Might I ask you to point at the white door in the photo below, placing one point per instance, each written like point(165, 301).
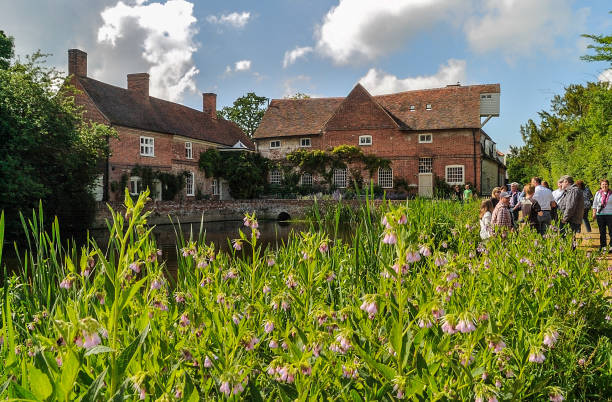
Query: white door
point(425, 185)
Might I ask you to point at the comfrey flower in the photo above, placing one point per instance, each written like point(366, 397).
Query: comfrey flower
point(237, 244)
point(268, 327)
point(537, 357)
point(273, 344)
point(390, 238)
point(88, 340)
point(156, 284)
point(402, 220)
point(555, 395)
point(424, 250)
point(135, 266)
point(323, 248)
point(448, 328)
point(349, 371)
point(66, 283)
point(266, 289)
point(290, 282)
point(497, 346)
point(550, 338)
point(330, 277)
point(250, 343)
point(184, 320)
point(465, 326)
point(412, 257)
point(370, 307)
point(440, 261)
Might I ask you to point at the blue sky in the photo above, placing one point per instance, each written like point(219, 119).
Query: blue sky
point(276, 48)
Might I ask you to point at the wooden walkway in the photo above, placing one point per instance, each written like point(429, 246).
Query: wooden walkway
point(590, 241)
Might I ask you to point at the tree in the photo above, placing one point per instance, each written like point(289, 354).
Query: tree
point(247, 111)
point(46, 153)
point(602, 48)
point(7, 46)
point(246, 172)
point(298, 95)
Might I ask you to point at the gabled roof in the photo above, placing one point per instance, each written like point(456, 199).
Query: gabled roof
point(128, 109)
point(452, 107)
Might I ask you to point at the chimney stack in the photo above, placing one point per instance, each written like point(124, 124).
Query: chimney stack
point(139, 83)
point(77, 62)
point(209, 101)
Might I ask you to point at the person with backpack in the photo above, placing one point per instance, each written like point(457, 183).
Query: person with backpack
point(588, 198)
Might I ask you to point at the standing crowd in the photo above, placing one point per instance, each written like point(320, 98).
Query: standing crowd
point(537, 206)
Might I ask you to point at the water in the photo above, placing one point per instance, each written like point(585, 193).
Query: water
point(273, 234)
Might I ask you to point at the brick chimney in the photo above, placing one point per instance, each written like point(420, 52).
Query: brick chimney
point(209, 101)
point(77, 62)
point(139, 83)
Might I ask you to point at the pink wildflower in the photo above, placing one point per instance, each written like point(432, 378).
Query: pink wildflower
point(268, 327)
point(424, 250)
point(179, 298)
point(237, 244)
point(390, 238)
point(497, 346)
point(537, 357)
point(330, 277)
point(273, 344)
point(135, 267)
point(440, 261)
point(290, 282)
point(184, 320)
point(156, 284)
point(271, 262)
point(88, 340)
point(266, 289)
point(448, 328)
point(225, 388)
point(349, 372)
point(550, 338)
point(465, 326)
point(207, 362)
point(323, 248)
point(555, 397)
point(250, 345)
point(412, 257)
point(66, 283)
point(402, 220)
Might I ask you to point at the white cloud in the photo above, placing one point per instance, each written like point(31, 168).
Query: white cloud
point(242, 65)
point(358, 30)
point(164, 36)
point(522, 27)
point(378, 82)
point(292, 55)
point(605, 76)
point(236, 20)
point(294, 85)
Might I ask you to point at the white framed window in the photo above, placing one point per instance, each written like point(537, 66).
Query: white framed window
point(425, 138)
point(188, 150)
point(215, 187)
point(190, 184)
point(426, 164)
point(147, 146)
point(275, 176)
point(455, 174)
point(365, 140)
point(305, 142)
point(428, 106)
point(306, 179)
point(339, 179)
point(275, 144)
point(412, 108)
point(385, 177)
point(135, 185)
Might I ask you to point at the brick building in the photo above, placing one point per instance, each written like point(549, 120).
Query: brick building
point(162, 135)
point(425, 133)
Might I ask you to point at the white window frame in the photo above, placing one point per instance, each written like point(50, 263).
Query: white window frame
point(385, 181)
point(425, 164)
point(276, 176)
point(365, 140)
point(147, 146)
point(305, 143)
point(412, 108)
point(135, 185)
point(189, 150)
point(339, 178)
point(447, 167)
point(215, 187)
point(423, 138)
point(308, 181)
point(428, 106)
point(275, 144)
point(190, 184)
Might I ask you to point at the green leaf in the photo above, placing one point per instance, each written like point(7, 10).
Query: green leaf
point(127, 354)
point(355, 395)
point(98, 349)
point(127, 296)
point(39, 383)
point(70, 369)
point(190, 393)
point(18, 392)
point(94, 389)
point(388, 372)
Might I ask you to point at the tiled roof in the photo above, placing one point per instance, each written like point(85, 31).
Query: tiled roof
point(128, 109)
point(451, 107)
point(286, 117)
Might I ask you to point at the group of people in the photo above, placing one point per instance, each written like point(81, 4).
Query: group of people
point(539, 206)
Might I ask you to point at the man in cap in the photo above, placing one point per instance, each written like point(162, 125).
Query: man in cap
point(501, 214)
point(571, 204)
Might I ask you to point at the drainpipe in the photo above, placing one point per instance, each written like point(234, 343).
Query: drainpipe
point(474, 157)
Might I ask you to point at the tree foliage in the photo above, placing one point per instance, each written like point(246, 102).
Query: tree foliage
point(247, 111)
point(46, 151)
point(323, 163)
point(7, 45)
point(245, 172)
point(573, 137)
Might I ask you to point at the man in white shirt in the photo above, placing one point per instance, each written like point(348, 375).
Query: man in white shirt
point(544, 197)
point(557, 194)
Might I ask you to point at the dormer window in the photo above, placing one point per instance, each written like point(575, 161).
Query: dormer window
point(428, 106)
point(425, 138)
point(365, 140)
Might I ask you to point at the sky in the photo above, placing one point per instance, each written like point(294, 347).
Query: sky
point(323, 48)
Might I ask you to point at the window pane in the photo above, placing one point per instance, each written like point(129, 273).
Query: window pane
point(385, 177)
point(306, 179)
point(425, 165)
point(275, 177)
point(340, 178)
